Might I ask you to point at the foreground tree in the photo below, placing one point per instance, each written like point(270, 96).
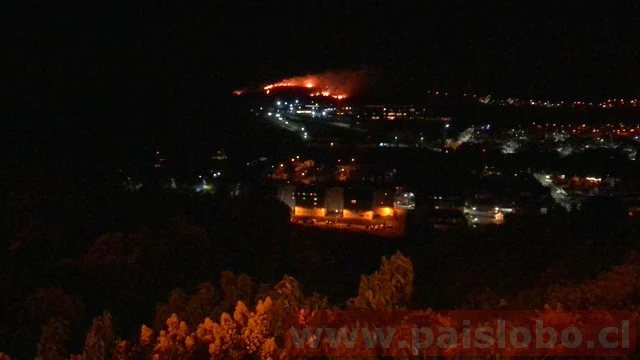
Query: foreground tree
point(389, 288)
point(99, 342)
point(53, 341)
point(245, 334)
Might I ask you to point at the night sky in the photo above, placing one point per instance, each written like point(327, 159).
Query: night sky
point(167, 59)
point(542, 48)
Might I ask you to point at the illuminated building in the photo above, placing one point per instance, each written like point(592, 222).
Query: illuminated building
point(383, 203)
point(358, 204)
point(398, 112)
point(344, 110)
point(383, 198)
point(447, 202)
point(286, 194)
point(334, 201)
point(405, 201)
point(415, 125)
point(220, 155)
point(482, 212)
point(391, 112)
point(309, 201)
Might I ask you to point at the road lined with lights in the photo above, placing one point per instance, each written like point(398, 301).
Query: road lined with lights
point(558, 194)
point(297, 118)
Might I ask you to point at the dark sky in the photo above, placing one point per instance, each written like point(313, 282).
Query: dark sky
point(108, 67)
point(98, 76)
point(183, 48)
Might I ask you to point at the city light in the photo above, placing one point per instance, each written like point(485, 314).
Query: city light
point(615, 103)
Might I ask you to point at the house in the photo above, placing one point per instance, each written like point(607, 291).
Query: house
point(287, 194)
point(309, 202)
point(384, 203)
point(358, 204)
point(334, 201)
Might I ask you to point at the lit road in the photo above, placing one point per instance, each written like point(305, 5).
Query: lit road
point(307, 123)
point(282, 120)
point(309, 127)
point(559, 195)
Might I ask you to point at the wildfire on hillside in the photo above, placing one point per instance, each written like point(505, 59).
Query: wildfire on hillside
point(336, 84)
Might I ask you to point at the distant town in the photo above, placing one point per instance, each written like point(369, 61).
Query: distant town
point(362, 167)
point(186, 180)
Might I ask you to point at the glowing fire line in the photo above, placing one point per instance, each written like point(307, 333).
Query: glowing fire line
point(331, 84)
point(308, 84)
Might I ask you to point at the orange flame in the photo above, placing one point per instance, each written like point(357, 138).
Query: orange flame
point(337, 85)
point(328, 94)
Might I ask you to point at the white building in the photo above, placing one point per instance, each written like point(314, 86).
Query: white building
point(286, 194)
